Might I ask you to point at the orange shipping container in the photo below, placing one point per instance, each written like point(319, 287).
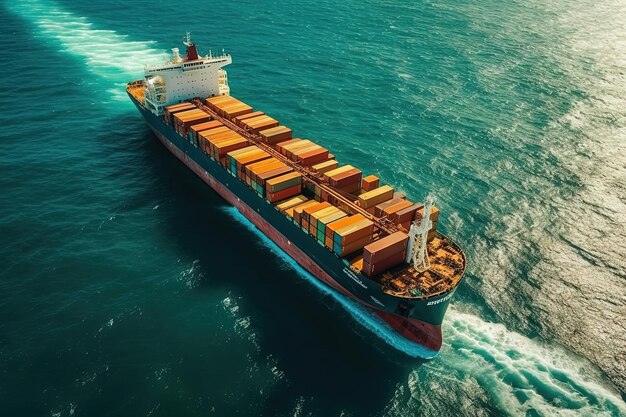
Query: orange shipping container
point(313, 157)
point(353, 232)
point(337, 171)
point(434, 214)
point(353, 246)
point(223, 147)
point(405, 215)
point(259, 123)
point(376, 196)
point(343, 179)
point(176, 108)
point(370, 182)
point(297, 210)
point(263, 177)
point(312, 209)
point(379, 208)
point(394, 260)
point(238, 119)
point(252, 157)
point(397, 207)
point(281, 145)
point(385, 247)
point(292, 202)
point(233, 111)
point(292, 148)
point(303, 148)
point(213, 102)
point(282, 194)
point(331, 228)
point(207, 134)
point(284, 181)
point(199, 127)
point(275, 134)
point(325, 166)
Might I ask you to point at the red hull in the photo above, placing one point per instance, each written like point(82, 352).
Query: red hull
point(425, 334)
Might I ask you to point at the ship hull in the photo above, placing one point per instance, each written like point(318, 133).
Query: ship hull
point(416, 320)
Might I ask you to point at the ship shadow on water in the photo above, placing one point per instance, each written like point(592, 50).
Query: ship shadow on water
point(326, 355)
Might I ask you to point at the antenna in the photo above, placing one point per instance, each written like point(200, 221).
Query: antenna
point(418, 238)
point(187, 40)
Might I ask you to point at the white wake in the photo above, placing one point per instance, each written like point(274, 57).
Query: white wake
point(105, 53)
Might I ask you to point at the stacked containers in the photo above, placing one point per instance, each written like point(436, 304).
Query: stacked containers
point(219, 145)
point(434, 217)
point(228, 106)
point(290, 203)
point(212, 102)
point(283, 186)
point(205, 135)
point(176, 108)
point(306, 214)
point(236, 160)
point(385, 253)
point(184, 119)
point(405, 216)
point(326, 166)
point(262, 177)
point(238, 119)
point(352, 237)
point(199, 127)
point(389, 207)
point(332, 227)
point(369, 183)
point(378, 209)
point(280, 147)
point(286, 148)
point(276, 134)
point(322, 221)
point(296, 211)
point(235, 109)
point(259, 123)
point(347, 178)
point(303, 151)
point(309, 154)
point(378, 195)
point(314, 218)
point(253, 173)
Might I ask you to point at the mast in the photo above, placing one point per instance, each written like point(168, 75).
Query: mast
point(417, 252)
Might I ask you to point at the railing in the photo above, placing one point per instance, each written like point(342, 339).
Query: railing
point(307, 173)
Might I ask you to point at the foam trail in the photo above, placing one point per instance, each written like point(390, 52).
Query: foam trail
point(366, 318)
point(521, 374)
point(105, 52)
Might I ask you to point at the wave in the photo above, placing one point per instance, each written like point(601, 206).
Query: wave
point(106, 53)
point(522, 374)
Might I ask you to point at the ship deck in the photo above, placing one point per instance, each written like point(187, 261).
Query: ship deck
point(447, 265)
point(447, 261)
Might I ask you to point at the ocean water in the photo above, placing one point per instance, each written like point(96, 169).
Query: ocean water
point(129, 288)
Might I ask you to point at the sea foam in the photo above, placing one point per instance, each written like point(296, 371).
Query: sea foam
point(105, 53)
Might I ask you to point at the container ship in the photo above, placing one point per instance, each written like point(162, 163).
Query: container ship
point(359, 236)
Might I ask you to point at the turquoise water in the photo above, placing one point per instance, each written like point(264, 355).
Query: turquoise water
point(129, 288)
